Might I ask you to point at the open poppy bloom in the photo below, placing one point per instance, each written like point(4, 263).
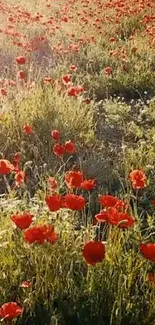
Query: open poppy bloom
point(120, 219)
point(21, 74)
point(70, 147)
point(108, 200)
point(21, 60)
point(5, 167)
point(102, 216)
point(26, 284)
point(88, 185)
point(52, 183)
point(40, 234)
point(73, 179)
point(66, 79)
point(138, 179)
point(27, 129)
point(148, 251)
point(22, 221)
point(108, 71)
point(54, 202)
point(10, 310)
point(58, 149)
point(94, 252)
point(75, 202)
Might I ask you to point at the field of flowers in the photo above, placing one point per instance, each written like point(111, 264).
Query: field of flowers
point(77, 153)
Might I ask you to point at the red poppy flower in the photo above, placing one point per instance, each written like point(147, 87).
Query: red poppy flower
point(153, 202)
point(74, 202)
point(87, 101)
point(112, 39)
point(88, 185)
point(120, 219)
point(70, 147)
point(22, 221)
point(148, 251)
point(26, 284)
point(108, 200)
point(5, 167)
point(138, 179)
point(40, 234)
point(10, 310)
point(20, 178)
point(50, 235)
point(48, 80)
point(3, 92)
point(27, 129)
point(52, 183)
point(55, 134)
point(94, 252)
point(54, 202)
point(72, 91)
point(151, 277)
point(58, 149)
point(79, 89)
point(34, 234)
point(73, 179)
point(21, 60)
point(108, 71)
point(21, 74)
point(102, 216)
point(66, 79)
point(16, 160)
point(73, 67)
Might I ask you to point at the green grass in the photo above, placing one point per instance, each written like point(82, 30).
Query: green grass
point(114, 133)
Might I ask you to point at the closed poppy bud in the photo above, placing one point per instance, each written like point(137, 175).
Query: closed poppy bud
point(22, 221)
point(10, 310)
point(21, 60)
point(94, 252)
point(55, 134)
point(54, 202)
point(58, 149)
point(70, 147)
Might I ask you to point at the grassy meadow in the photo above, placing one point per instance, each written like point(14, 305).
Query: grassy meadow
point(77, 153)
